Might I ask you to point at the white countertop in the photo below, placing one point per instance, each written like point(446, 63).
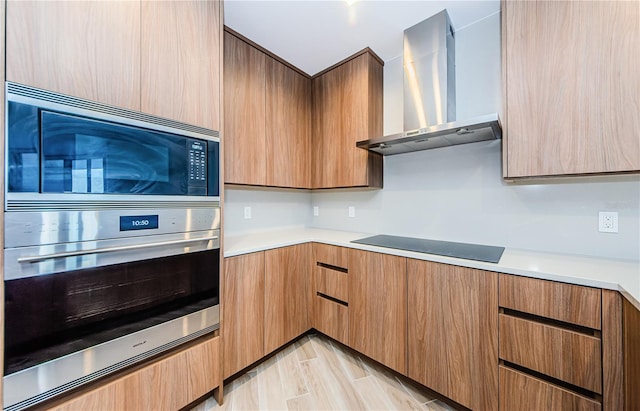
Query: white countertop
point(619, 275)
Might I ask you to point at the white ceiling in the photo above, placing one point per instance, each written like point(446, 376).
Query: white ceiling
point(315, 34)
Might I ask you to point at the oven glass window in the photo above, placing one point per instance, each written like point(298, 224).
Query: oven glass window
point(49, 316)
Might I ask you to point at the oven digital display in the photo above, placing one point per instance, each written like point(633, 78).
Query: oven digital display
point(138, 222)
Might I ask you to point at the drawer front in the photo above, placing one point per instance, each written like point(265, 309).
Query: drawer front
point(170, 383)
point(332, 283)
point(566, 355)
point(521, 391)
point(331, 255)
point(331, 318)
point(574, 304)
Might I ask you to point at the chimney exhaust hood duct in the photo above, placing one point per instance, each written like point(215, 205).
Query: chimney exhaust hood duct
point(430, 95)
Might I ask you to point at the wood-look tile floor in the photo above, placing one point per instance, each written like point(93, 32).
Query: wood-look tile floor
point(316, 373)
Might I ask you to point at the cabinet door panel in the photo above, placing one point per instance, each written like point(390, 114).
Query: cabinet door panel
point(378, 307)
point(288, 126)
point(243, 311)
point(453, 326)
point(286, 294)
point(181, 61)
point(87, 49)
point(347, 108)
point(244, 112)
point(329, 146)
point(572, 87)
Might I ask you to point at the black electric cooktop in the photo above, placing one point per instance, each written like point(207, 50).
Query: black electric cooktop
point(486, 253)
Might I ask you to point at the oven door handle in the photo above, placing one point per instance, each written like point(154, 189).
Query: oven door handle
point(39, 258)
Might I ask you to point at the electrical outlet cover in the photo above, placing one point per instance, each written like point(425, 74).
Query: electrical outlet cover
point(608, 221)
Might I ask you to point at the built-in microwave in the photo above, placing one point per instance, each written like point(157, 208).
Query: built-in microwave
point(57, 144)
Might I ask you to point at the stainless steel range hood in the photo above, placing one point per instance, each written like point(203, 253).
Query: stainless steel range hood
point(430, 95)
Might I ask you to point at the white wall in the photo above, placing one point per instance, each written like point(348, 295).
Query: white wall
point(270, 209)
point(457, 193)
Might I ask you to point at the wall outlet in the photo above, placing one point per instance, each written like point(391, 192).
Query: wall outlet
point(352, 211)
point(247, 213)
point(608, 221)
point(316, 211)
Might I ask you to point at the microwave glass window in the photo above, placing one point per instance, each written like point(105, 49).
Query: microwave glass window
point(96, 164)
point(53, 152)
point(88, 156)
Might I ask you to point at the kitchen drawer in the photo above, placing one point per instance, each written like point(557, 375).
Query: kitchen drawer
point(170, 383)
point(332, 282)
point(574, 304)
point(520, 391)
point(331, 318)
point(331, 255)
point(559, 353)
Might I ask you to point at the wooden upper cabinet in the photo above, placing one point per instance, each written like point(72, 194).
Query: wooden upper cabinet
point(86, 49)
point(571, 87)
point(267, 118)
point(287, 272)
point(288, 127)
point(244, 112)
point(453, 332)
point(347, 108)
point(283, 129)
point(378, 307)
point(180, 59)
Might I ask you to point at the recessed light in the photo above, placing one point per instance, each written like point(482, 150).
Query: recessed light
point(350, 2)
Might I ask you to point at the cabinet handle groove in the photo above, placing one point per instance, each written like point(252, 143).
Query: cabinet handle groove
point(332, 267)
point(330, 298)
point(549, 321)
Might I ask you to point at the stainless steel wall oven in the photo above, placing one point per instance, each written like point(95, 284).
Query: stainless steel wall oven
point(112, 250)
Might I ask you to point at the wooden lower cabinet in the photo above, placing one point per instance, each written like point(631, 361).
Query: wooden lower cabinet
point(265, 301)
point(453, 332)
point(378, 307)
point(168, 384)
point(519, 391)
point(286, 295)
point(243, 312)
point(436, 323)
